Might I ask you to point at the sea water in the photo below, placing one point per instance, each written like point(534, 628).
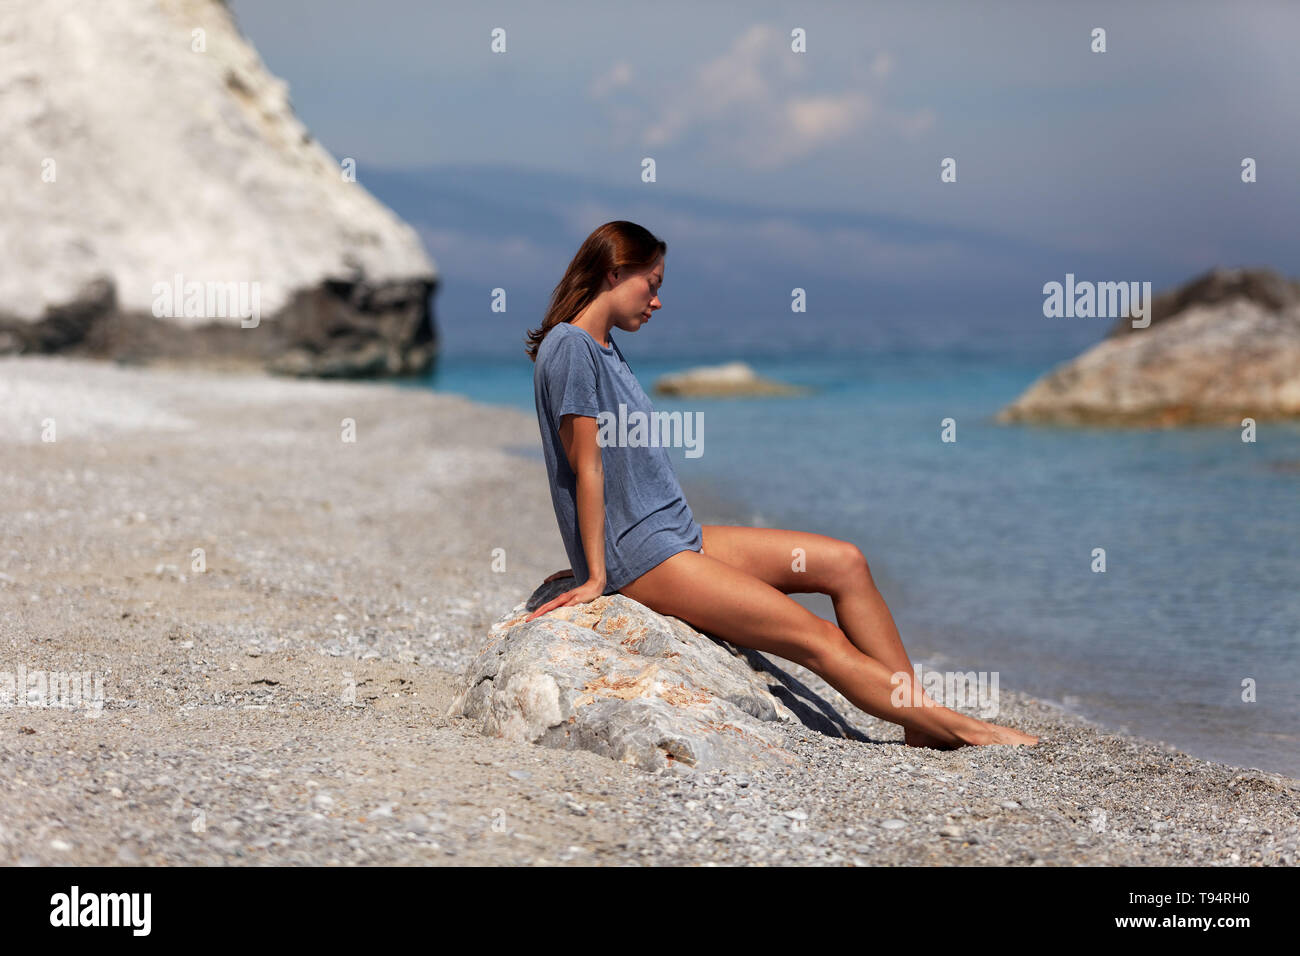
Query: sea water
point(985, 547)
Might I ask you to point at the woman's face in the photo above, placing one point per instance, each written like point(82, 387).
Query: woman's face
point(637, 295)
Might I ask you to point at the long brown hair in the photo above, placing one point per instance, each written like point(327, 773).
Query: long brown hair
point(613, 246)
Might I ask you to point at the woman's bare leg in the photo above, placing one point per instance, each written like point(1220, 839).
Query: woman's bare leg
point(732, 604)
point(865, 618)
point(800, 562)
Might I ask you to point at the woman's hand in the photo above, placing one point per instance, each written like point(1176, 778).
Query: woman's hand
point(582, 594)
point(566, 573)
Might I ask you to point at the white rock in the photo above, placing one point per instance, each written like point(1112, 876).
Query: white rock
point(166, 160)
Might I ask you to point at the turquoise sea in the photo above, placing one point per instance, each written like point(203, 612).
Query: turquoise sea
point(983, 547)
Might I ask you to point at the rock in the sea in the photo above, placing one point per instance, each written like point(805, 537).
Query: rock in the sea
point(1264, 286)
point(731, 379)
point(1221, 348)
point(615, 678)
point(149, 151)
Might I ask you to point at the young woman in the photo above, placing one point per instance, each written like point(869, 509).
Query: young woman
point(627, 527)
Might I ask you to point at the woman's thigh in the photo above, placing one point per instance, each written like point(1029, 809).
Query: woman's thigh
point(793, 562)
point(718, 599)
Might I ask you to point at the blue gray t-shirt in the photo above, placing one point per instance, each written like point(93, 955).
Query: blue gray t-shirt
point(647, 519)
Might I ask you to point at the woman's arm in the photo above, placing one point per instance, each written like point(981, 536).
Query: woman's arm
point(578, 435)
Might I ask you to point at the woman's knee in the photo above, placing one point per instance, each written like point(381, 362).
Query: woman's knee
point(851, 567)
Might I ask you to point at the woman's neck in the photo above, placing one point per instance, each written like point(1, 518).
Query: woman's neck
point(597, 326)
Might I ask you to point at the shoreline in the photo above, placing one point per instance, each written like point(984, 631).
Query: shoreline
point(288, 694)
point(1108, 722)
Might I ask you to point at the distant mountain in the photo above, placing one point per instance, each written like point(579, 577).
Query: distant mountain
point(870, 281)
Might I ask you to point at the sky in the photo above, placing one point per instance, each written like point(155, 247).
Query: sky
point(819, 168)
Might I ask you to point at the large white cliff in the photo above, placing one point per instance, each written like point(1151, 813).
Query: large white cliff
point(145, 140)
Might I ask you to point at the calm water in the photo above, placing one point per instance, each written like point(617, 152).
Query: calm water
point(983, 547)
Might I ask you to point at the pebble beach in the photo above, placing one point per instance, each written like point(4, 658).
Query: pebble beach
point(277, 584)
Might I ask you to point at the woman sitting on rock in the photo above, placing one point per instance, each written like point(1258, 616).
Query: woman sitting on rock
point(627, 527)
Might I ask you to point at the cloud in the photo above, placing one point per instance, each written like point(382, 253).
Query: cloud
point(743, 106)
point(616, 78)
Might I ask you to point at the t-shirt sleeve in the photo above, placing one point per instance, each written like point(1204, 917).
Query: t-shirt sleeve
point(571, 380)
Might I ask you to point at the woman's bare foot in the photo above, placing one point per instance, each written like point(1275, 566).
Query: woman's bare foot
point(963, 731)
point(959, 730)
point(919, 738)
point(986, 734)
